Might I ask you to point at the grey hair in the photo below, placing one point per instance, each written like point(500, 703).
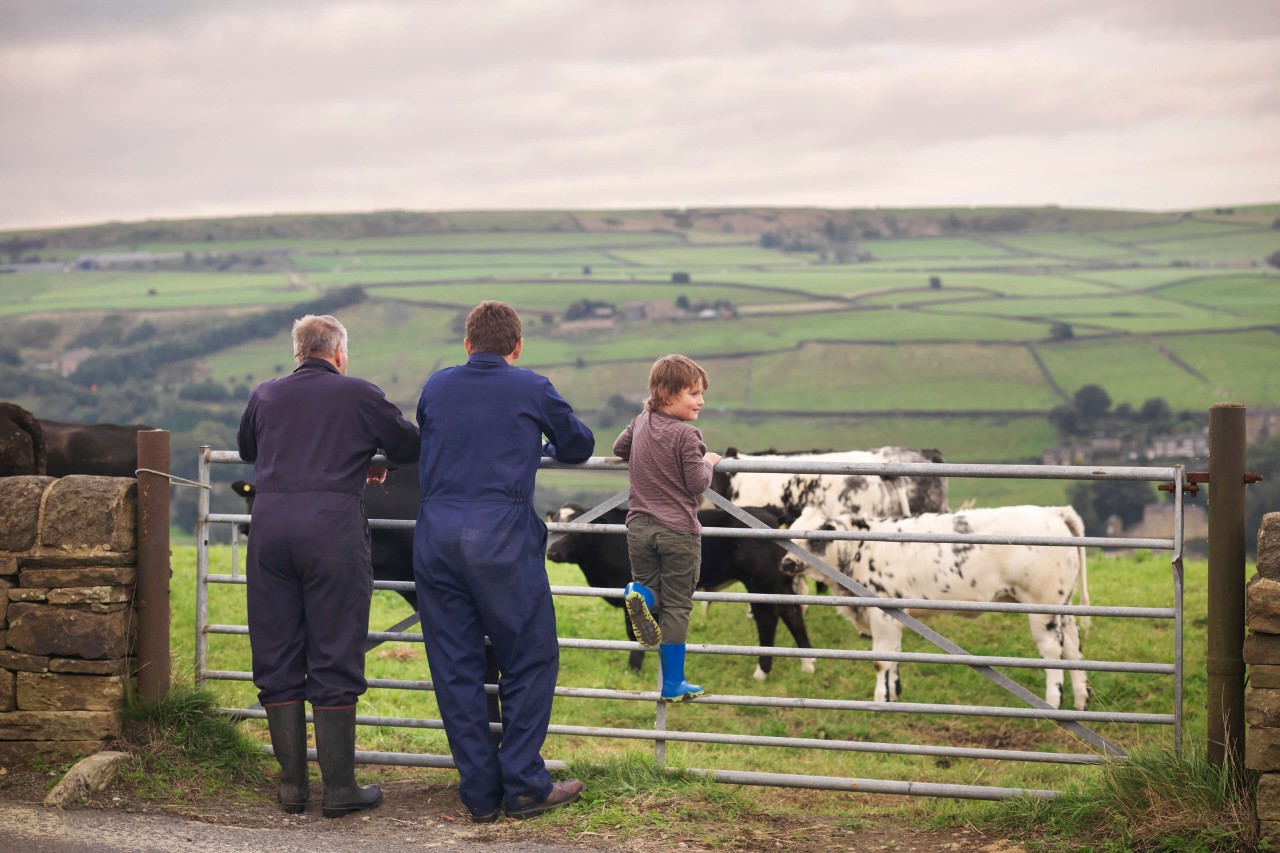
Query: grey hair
point(317, 336)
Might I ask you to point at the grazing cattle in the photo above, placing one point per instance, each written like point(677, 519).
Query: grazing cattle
point(103, 450)
point(836, 494)
point(392, 550)
point(22, 442)
point(1046, 574)
point(755, 562)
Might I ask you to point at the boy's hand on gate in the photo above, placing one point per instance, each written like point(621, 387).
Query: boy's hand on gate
point(712, 458)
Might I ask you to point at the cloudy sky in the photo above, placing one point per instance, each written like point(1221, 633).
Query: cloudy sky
point(165, 108)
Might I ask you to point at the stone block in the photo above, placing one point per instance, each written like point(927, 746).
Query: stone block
point(119, 666)
point(21, 753)
point(1262, 605)
point(97, 595)
point(8, 565)
point(1262, 749)
point(8, 690)
point(1261, 707)
point(4, 605)
point(1264, 676)
point(110, 608)
point(20, 511)
point(1258, 648)
point(1269, 796)
point(91, 774)
point(40, 629)
point(59, 725)
point(71, 576)
point(18, 662)
point(51, 691)
point(90, 514)
point(1269, 546)
point(18, 593)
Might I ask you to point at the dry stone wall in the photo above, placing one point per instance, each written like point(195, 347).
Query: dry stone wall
point(68, 565)
point(1262, 656)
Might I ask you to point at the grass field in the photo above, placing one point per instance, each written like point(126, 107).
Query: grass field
point(1140, 580)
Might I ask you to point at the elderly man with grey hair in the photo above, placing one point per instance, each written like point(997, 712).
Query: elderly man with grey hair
point(311, 436)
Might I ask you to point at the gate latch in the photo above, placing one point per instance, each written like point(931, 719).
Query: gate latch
point(1195, 478)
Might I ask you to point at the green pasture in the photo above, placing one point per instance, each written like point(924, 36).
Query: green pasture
point(556, 297)
point(1150, 278)
point(1254, 299)
point(131, 290)
point(1263, 214)
point(709, 256)
point(449, 241)
point(1140, 580)
point(1247, 248)
point(1241, 367)
point(1072, 246)
point(550, 260)
point(1190, 229)
point(932, 248)
point(1126, 312)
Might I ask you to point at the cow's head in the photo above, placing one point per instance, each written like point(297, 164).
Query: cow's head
point(562, 549)
point(248, 492)
point(813, 518)
point(722, 481)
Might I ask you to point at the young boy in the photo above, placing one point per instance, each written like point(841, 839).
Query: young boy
point(670, 469)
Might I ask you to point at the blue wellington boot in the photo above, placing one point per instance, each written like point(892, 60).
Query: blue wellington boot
point(674, 687)
point(640, 603)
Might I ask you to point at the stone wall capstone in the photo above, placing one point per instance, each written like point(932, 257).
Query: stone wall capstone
point(1262, 655)
point(68, 556)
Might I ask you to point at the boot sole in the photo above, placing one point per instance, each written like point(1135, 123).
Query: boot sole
point(683, 697)
point(542, 808)
point(648, 634)
point(294, 808)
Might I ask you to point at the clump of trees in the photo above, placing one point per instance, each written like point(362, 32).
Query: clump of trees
point(1090, 413)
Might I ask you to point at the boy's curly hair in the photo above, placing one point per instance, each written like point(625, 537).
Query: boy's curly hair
point(493, 326)
point(670, 375)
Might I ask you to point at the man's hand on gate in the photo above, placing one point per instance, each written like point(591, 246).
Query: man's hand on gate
point(376, 475)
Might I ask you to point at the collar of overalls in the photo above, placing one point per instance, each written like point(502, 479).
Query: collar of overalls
point(487, 359)
point(315, 364)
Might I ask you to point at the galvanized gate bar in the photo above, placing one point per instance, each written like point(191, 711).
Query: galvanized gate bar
point(793, 702)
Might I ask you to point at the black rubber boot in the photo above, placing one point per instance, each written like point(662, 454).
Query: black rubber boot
point(288, 725)
point(336, 747)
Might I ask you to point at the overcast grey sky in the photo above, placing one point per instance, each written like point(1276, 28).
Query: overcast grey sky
point(165, 108)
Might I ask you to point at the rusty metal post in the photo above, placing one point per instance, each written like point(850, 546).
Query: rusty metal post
point(1226, 584)
point(153, 564)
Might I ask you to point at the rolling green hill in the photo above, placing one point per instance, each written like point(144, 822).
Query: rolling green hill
point(956, 329)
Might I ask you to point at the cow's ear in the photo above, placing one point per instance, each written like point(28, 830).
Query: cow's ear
point(240, 487)
point(731, 453)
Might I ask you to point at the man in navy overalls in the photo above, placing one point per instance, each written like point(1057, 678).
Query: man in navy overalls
point(479, 565)
point(311, 436)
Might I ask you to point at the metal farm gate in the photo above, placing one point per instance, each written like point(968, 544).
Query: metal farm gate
point(1030, 705)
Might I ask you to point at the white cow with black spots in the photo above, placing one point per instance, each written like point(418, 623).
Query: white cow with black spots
point(1045, 574)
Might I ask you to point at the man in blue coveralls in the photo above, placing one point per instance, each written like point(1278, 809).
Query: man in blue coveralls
point(479, 566)
point(310, 436)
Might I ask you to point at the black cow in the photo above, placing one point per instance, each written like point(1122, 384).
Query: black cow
point(392, 550)
point(755, 562)
point(103, 450)
point(22, 442)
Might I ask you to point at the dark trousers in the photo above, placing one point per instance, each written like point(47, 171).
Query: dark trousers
point(310, 585)
point(481, 574)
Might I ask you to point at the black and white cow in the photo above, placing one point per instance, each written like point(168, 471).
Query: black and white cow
point(1045, 574)
point(755, 562)
point(835, 494)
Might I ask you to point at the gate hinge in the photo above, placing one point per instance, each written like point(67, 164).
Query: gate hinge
point(1195, 478)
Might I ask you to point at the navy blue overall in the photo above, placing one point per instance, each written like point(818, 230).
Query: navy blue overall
point(310, 436)
point(479, 566)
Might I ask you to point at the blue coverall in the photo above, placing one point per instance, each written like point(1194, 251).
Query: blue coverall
point(311, 435)
point(479, 566)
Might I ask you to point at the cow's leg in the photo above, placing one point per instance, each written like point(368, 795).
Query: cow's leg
point(793, 618)
point(1072, 650)
point(767, 628)
point(1047, 631)
point(886, 636)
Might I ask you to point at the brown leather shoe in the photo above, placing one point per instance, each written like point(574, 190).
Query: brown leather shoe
point(562, 794)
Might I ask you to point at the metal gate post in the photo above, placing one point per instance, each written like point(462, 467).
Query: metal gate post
point(153, 564)
point(1226, 584)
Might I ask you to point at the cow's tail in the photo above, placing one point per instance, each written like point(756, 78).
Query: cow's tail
point(1076, 525)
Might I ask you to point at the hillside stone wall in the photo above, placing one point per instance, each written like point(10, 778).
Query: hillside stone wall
point(1262, 656)
point(68, 566)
